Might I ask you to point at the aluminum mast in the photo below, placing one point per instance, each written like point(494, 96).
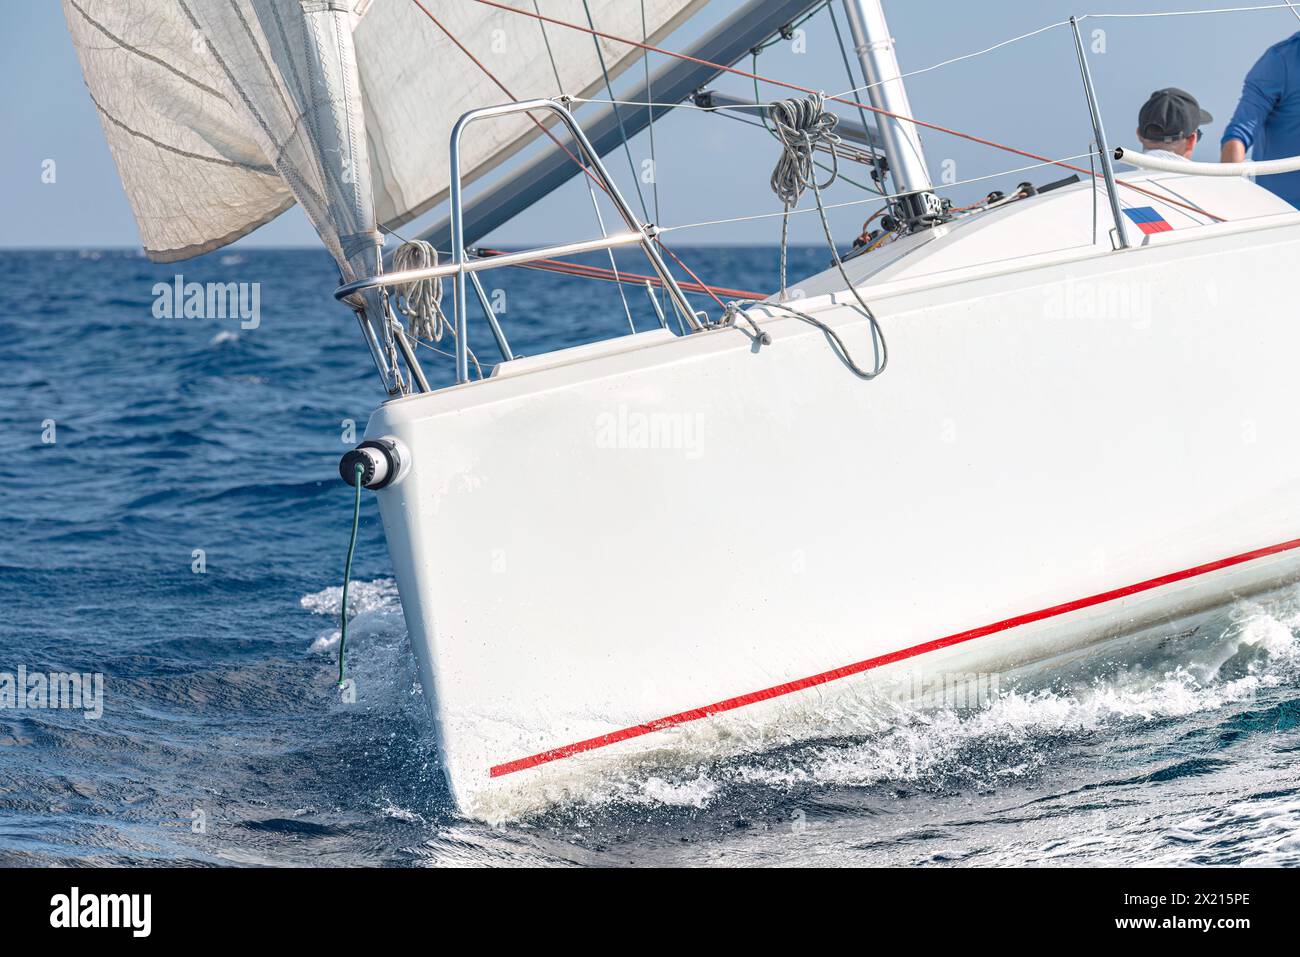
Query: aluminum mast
point(902, 144)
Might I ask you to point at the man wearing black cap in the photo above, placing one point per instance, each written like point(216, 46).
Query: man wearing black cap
point(1169, 124)
point(1267, 119)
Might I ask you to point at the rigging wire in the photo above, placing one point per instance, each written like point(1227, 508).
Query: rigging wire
point(956, 59)
point(613, 263)
point(847, 151)
point(808, 90)
point(691, 272)
point(650, 117)
point(1181, 13)
point(1062, 23)
point(609, 275)
point(618, 115)
point(451, 355)
point(869, 200)
point(679, 106)
point(506, 90)
point(848, 69)
point(654, 156)
point(595, 203)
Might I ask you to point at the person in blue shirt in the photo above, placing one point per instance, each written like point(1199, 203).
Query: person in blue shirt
point(1267, 119)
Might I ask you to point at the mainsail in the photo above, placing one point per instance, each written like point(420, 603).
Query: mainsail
point(221, 114)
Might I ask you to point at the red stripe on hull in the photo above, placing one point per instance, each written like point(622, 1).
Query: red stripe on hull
point(776, 691)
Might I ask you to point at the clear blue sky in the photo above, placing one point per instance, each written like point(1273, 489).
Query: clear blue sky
point(1027, 94)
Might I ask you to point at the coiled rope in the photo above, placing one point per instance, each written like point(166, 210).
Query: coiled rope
point(803, 126)
point(420, 301)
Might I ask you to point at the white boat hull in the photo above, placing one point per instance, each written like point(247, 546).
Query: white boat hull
point(661, 548)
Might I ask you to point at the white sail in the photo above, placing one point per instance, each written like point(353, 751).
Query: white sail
point(416, 82)
point(222, 113)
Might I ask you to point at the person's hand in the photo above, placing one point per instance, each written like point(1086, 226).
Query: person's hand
point(1232, 151)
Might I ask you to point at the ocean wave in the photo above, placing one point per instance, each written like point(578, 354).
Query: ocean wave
point(374, 609)
point(1015, 739)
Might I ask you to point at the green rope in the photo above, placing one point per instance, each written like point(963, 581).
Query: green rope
point(347, 571)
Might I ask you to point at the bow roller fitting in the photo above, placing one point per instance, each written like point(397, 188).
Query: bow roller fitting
point(382, 461)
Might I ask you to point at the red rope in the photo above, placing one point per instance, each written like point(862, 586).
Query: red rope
point(628, 278)
point(504, 89)
point(690, 272)
point(838, 99)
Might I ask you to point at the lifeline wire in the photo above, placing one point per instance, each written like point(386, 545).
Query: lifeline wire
point(347, 570)
point(723, 68)
point(956, 59)
point(872, 199)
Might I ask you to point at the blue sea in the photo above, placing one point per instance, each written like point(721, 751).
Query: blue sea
point(172, 521)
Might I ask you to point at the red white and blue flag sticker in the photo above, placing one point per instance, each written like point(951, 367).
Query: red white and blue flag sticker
point(1148, 220)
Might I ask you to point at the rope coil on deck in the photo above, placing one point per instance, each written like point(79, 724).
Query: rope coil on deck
point(420, 301)
point(802, 124)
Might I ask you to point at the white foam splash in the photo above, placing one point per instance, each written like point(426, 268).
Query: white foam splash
point(374, 609)
point(1250, 647)
point(391, 810)
point(922, 743)
point(1255, 648)
point(379, 658)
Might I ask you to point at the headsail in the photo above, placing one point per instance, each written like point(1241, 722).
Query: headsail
point(194, 173)
point(222, 113)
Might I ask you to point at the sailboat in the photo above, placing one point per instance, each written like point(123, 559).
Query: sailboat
point(990, 439)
